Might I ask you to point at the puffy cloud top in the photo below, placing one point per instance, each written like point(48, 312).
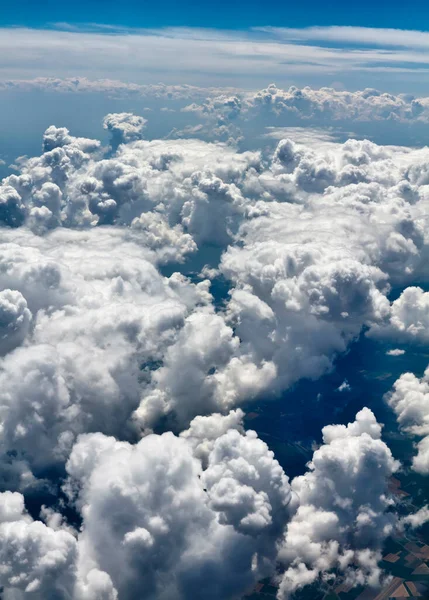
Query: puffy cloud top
point(123, 367)
point(341, 518)
point(124, 127)
point(409, 318)
point(160, 524)
point(409, 399)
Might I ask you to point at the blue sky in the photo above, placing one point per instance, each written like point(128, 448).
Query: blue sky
point(223, 14)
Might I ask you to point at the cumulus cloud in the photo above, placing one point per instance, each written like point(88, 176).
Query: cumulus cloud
point(15, 319)
point(331, 104)
point(395, 352)
point(228, 106)
point(246, 114)
point(102, 314)
point(417, 519)
point(122, 370)
point(409, 400)
point(295, 279)
point(311, 241)
point(341, 519)
point(158, 523)
point(124, 127)
point(35, 560)
point(408, 320)
point(206, 510)
point(72, 185)
point(202, 371)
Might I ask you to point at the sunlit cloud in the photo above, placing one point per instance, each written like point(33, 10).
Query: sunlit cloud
point(200, 56)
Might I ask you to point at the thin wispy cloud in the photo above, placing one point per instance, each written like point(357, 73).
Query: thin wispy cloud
point(203, 55)
point(353, 35)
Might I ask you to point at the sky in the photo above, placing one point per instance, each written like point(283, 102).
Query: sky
point(220, 15)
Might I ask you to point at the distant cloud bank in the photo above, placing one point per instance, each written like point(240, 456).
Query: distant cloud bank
point(352, 56)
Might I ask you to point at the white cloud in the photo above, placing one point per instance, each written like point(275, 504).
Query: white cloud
point(344, 387)
point(252, 496)
point(112, 87)
point(395, 352)
point(15, 319)
point(157, 519)
point(139, 55)
point(154, 521)
point(372, 36)
point(100, 350)
point(34, 559)
point(311, 239)
point(409, 400)
point(124, 127)
point(408, 320)
point(101, 313)
point(315, 259)
point(255, 113)
point(417, 519)
point(341, 519)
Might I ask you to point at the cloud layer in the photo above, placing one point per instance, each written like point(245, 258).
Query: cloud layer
point(148, 289)
point(315, 55)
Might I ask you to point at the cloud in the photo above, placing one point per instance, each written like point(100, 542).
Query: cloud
point(203, 371)
point(204, 431)
point(310, 241)
point(203, 511)
point(370, 36)
point(395, 352)
point(124, 127)
point(123, 365)
point(275, 113)
point(182, 179)
point(344, 387)
point(34, 558)
point(206, 510)
point(416, 519)
point(156, 522)
point(367, 112)
point(15, 319)
point(341, 519)
point(160, 189)
point(249, 497)
point(409, 401)
point(238, 116)
point(408, 320)
point(111, 87)
point(312, 263)
point(253, 55)
point(95, 314)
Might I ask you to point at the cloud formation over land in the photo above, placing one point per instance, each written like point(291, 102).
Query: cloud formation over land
point(409, 318)
point(204, 511)
point(409, 400)
point(157, 523)
point(341, 519)
point(148, 290)
point(312, 240)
